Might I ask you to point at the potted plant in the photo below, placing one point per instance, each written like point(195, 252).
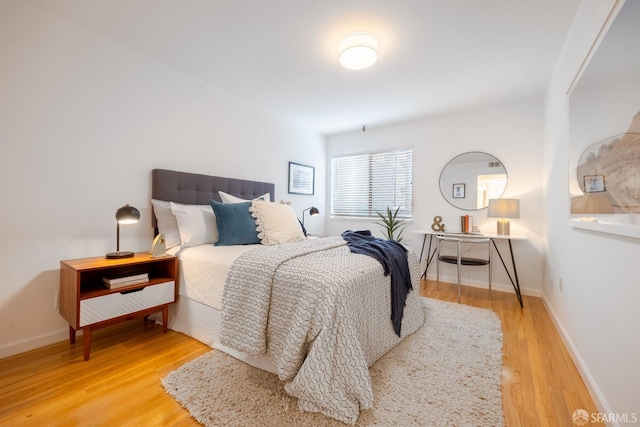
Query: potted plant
point(391, 224)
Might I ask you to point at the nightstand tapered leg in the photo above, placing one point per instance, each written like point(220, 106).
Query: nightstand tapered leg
point(86, 342)
point(72, 335)
point(165, 318)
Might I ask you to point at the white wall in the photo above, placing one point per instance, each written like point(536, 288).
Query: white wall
point(597, 309)
point(83, 121)
point(512, 133)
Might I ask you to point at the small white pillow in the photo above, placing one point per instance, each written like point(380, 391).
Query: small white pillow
point(228, 198)
point(197, 224)
point(276, 223)
point(167, 223)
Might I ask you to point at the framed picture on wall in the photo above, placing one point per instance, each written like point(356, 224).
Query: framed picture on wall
point(458, 191)
point(301, 178)
point(593, 183)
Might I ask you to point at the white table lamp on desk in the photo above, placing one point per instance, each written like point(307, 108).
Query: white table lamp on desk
point(503, 209)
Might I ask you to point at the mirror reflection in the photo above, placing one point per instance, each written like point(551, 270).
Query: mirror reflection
point(470, 179)
point(604, 179)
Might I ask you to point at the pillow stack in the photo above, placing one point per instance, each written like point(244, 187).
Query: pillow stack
point(235, 221)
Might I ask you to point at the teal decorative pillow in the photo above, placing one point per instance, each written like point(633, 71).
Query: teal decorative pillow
point(236, 226)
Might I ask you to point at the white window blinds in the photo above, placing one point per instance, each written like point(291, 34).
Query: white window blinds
point(363, 184)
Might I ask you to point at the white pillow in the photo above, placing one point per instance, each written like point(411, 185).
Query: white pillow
point(228, 198)
point(276, 223)
point(167, 224)
point(197, 224)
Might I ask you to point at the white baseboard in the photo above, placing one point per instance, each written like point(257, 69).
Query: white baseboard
point(17, 347)
point(502, 287)
point(588, 379)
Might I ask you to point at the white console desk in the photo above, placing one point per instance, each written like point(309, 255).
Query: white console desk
point(514, 279)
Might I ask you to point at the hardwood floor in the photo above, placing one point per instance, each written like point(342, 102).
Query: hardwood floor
point(541, 385)
point(120, 384)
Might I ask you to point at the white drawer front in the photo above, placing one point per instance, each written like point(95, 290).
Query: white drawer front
point(94, 310)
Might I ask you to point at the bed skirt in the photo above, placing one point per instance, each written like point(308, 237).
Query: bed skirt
point(202, 322)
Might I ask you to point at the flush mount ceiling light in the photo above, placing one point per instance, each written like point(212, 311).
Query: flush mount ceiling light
point(358, 51)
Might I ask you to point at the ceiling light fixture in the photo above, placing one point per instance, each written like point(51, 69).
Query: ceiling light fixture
point(358, 51)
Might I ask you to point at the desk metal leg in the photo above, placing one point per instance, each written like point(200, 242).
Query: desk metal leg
point(429, 255)
point(516, 283)
point(424, 240)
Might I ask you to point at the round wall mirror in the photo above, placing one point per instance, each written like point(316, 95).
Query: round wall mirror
point(470, 179)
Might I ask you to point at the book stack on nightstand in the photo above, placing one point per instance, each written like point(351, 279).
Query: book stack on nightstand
point(99, 292)
point(122, 281)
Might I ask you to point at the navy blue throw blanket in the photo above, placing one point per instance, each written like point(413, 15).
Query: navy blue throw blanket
point(393, 257)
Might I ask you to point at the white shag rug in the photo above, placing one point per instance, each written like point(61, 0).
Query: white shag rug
point(448, 373)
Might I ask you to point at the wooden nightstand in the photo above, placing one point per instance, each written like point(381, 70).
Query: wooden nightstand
point(88, 304)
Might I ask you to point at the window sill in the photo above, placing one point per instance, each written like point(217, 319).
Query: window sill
point(361, 219)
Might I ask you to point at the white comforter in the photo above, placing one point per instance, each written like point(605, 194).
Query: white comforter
point(204, 271)
point(322, 314)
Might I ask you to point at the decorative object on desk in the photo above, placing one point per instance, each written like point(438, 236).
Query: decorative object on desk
point(466, 224)
point(437, 223)
point(158, 246)
point(301, 179)
point(483, 174)
point(392, 225)
point(503, 209)
point(125, 215)
point(458, 191)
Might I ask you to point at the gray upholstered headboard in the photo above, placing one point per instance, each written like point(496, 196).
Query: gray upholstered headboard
point(195, 189)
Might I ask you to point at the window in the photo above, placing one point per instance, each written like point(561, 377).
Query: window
point(363, 184)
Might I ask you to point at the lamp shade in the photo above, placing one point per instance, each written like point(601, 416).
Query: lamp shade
point(358, 51)
point(127, 215)
point(504, 208)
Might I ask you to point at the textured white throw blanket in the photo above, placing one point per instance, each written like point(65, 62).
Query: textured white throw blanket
point(323, 315)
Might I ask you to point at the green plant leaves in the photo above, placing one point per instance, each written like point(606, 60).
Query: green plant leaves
point(392, 226)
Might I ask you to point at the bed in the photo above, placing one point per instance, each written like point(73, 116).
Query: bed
point(318, 318)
